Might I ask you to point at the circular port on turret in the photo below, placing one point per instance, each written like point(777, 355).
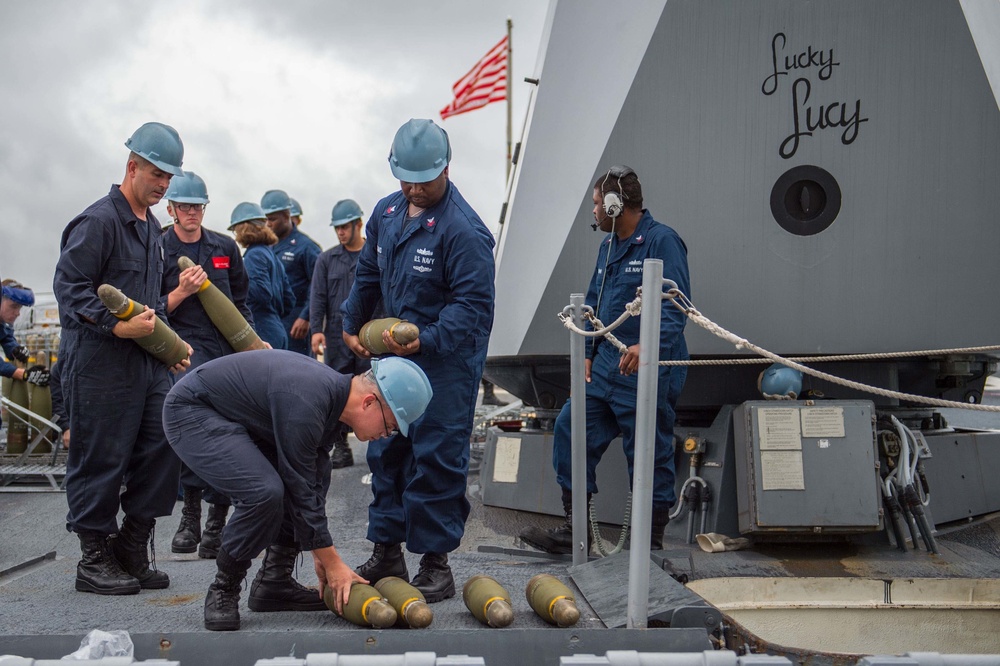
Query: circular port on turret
point(805, 200)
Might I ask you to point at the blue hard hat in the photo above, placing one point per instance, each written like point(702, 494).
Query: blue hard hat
point(19, 294)
point(345, 211)
point(780, 381)
point(405, 387)
point(187, 188)
point(159, 144)
point(296, 208)
point(420, 151)
point(247, 212)
point(275, 200)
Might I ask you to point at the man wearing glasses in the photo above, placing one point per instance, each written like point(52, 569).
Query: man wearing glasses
point(258, 426)
point(217, 258)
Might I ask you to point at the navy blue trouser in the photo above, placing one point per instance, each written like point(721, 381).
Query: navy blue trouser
point(611, 405)
point(225, 455)
point(188, 478)
point(114, 394)
point(419, 482)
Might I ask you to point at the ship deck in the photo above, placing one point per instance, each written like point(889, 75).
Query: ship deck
point(42, 616)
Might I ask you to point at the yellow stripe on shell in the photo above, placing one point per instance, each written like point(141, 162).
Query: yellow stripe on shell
point(554, 603)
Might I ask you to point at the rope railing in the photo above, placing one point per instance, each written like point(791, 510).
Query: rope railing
point(684, 304)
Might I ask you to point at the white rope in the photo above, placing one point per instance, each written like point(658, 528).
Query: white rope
point(682, 303)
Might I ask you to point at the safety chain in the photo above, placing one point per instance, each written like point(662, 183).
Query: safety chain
point(684, 304)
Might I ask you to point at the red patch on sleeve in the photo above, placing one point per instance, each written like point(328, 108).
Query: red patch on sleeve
point(220, 262)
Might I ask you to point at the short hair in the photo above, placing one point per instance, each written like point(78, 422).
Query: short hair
point(248, 233)
point(368, 379)
point(141, 161)
point(623, 181)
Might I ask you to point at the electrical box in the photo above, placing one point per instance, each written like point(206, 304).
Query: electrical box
point(807, 468)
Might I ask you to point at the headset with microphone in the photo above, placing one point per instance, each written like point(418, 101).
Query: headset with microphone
point(614, 203)
point(613, 208)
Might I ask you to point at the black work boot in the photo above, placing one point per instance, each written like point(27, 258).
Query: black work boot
point(98, 570)
point(386, 560)
point(558, 540)
point(189, 530)
point(434, 580)
point(274, 589)
point(661, 517)
point(130, 549)
point(211, 538)
point(222, 603)
point(341, 456)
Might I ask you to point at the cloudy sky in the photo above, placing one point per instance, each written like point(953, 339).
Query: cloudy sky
point(303, 96)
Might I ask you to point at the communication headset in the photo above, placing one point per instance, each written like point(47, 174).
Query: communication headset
point(613, 207)
point(614, 202)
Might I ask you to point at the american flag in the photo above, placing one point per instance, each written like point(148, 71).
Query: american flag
point(486, 82)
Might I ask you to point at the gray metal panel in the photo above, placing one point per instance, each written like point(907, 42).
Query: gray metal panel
point(962, 474)
point(524, 459)
point(918, 182)
point(590, 57)
point(799, 474)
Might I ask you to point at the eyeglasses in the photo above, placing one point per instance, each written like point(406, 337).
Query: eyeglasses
point(389, 432)
point(188, 207)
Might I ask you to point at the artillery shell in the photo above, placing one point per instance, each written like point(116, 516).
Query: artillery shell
point(552, 600)
point(225, 315)
point(163, 343)
point(401, 331)
point(365, 607)
point(488, 601)
point(408, 601)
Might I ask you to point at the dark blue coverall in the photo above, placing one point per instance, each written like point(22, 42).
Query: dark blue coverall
point(611, 396)
point(112, 388)
point(256, 425)
point(9, 344)
point(437, 272)
point(269, 296)
point(220, 257)
point(332, 279)
point(298, 254)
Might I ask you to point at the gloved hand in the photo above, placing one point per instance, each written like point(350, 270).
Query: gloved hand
point(37, 374)
point(20, 353)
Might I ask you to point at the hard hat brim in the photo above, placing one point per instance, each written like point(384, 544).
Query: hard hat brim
point(342, 221)
point(257, 222)
point(425, 176)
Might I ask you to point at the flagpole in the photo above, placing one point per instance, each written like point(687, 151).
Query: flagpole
point(510, 71)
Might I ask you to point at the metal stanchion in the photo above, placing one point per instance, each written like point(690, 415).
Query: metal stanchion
point(645, 442)
point(578, 405)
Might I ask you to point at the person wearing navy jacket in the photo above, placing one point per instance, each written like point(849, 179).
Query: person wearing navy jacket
point(112, 388)
point(332, 281)
point(270, 295)
point(258, 425)
point(633, 236)
point(429, 257)
point(216, 258)
point(298, 254)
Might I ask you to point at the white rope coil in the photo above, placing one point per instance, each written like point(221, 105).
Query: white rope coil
point(684, 304)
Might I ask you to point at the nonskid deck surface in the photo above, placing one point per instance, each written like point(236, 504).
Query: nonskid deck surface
point(41, 614)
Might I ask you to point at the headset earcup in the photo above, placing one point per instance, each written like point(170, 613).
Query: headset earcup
point(612, 204)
